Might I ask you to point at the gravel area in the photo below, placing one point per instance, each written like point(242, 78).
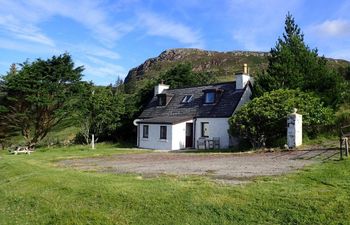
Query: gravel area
point(227, 167)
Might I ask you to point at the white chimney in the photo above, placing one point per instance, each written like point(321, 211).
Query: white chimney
point(242, 78)
point(160, 88)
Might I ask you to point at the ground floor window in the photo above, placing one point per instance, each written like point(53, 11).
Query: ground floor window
point(145, 131)
point(205, 129)
point(163, 132)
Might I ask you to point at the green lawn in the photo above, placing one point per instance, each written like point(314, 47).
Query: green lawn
point(35, 191)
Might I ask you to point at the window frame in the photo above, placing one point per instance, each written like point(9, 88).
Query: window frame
point(161, 100)
point(187, 99)
point(206, 95)
point(163, 132)
point(145, 128)
point(203, 132)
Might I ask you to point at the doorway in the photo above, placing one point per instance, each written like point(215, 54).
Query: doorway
point(189, 135)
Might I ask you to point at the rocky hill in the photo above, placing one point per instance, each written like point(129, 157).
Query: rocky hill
point(223, 65)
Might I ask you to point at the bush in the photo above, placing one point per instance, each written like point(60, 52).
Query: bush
point(263, 120)
point(343, 115)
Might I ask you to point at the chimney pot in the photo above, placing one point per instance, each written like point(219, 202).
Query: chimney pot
point(245, 68)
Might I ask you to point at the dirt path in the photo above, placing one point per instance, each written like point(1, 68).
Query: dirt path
point(227, 167)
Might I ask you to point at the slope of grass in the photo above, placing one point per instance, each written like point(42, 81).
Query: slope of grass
point(34, 191)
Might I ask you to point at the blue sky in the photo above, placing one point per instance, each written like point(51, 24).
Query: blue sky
point(111, 37)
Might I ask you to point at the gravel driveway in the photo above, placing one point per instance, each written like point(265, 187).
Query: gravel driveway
point(228, 167)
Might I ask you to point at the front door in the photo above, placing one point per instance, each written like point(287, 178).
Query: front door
point(189, 135)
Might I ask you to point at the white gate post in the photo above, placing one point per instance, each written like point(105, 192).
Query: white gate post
point(93, 141)
point(294, 129)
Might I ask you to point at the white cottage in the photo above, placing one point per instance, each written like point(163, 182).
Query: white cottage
point(188, 117)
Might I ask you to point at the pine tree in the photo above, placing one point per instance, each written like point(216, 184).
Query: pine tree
point(292, 65)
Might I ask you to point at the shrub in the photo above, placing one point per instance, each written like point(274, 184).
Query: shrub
point(263, 120)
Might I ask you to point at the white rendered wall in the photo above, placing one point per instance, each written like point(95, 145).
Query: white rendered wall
point(153, 141)
point(179, 135)
point(160, 88)
point(176, 136)
point(294, 130)
point(217, 127)
point(241, 80)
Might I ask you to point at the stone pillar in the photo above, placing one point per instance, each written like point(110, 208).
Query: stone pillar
point(294, 129)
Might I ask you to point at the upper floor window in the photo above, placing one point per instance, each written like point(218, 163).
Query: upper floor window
point(209, 97)
point(187, 99)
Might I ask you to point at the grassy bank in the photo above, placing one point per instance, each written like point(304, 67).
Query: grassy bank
point(34, 191)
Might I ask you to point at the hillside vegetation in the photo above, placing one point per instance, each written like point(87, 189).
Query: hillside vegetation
point(222, 65)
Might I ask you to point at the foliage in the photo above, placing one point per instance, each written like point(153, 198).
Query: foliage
point(34, 191)
point(101, 110)
point(39, 95)
point(343, 115)
point(292, 64)
point(345, 72)
point(182, 75)
point(263, 120)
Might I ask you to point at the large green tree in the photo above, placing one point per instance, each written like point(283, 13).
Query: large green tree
point(263, 120)
point(292, 64)
point(101, 111)
point(40, 94)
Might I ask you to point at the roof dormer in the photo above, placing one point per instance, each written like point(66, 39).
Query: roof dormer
point(212, 96)
point(163, 99)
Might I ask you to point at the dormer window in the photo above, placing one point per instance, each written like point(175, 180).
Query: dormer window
point(161, 100)
point(187, 99)
point(209, 97)
point(164, 99)
point(212, 96)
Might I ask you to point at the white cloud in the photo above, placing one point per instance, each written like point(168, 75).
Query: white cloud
point(91, 14)
point(9, 23)
point(100, 71)
point(27, 47)
point(159, 26)
point(23, 19)
point(94, 50)
point(332, 28)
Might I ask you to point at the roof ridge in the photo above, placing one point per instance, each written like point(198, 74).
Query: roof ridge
point(230, 82)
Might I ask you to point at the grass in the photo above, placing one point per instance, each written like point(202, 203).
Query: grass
point(326, 140)
point(35, 191)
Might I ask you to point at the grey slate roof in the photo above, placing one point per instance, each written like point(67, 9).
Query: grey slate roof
point(175, 111)
point(165, 120)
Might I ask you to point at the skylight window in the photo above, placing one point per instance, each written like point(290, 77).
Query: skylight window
point(187, 99)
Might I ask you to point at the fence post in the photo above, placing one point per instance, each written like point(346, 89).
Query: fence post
point(93, 141)
point(341, 147)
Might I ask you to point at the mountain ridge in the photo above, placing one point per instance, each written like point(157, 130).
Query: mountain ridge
point(221, 64)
